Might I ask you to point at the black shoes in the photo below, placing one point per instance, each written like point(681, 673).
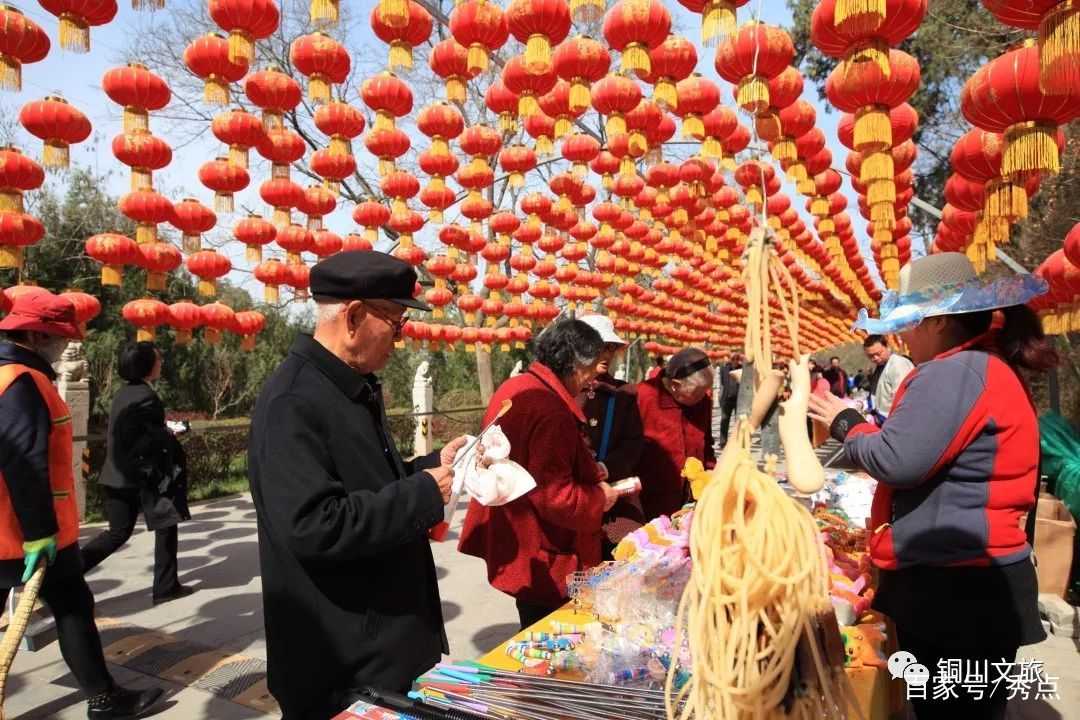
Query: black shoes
point(180, 592)
point(120, 703)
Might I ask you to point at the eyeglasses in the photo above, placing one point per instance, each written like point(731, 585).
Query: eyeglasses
point(397, 323)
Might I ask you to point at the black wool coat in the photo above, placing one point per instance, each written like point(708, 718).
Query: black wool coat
point(350, 594)
point(143, 455)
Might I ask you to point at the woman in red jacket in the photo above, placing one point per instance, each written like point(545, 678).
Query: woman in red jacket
point(676, 412)
point(957, 465)
point(531, 544)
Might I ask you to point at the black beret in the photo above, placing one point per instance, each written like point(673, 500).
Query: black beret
point(365, 275)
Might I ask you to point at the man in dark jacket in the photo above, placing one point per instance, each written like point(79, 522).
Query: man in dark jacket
point(614, 433)
point(350, 594)
point(837, 378)
point(39, 520)
point(729, 388)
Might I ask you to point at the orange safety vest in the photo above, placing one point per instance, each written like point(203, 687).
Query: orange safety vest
point(61, 480)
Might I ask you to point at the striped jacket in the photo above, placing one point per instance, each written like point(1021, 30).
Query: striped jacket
point(957, 462)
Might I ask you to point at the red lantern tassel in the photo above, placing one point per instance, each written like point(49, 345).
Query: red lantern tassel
point(141, 179)
point(528, 105)
point(10, 73)
point(136, 119)
point(282, 217)
point(216, 91)
point(538, 55)
point(11, 256)
point(1030, 147)
point(241, 46)
point(339, 145)
point(207, 288)
point(223, 202)
point(544, 146)
point(859, 16)
point(1005, 199)
point(155, 281)
point(253, 253)
point(394, 13)
point(247, 343)
point(877, 165)
point(145, 233)
point(212, 336)
point(753, 94)
point(400, 54)
point(325, 13)
point(635, 58)
point(455, 89)
point(873, 128)
point(784, 150)
point(580, 95)
point(717, 22)
point(563, 127)
point(873, 50)
point(1059, 48)
point(587, 11)
point(74, 33)
point(507, 123)
point(238, 156)
point(56, 155)
point(319, 89)
point(183, 336)
point(477, 59)
point(271, 294)
point(11, 200)
point(145, 333)
point(435, 216)
point(191, 243)
point(693, 127)
point(279, 171)
point(664, 94)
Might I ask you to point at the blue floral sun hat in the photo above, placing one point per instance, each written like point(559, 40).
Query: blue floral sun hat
point(945, 284)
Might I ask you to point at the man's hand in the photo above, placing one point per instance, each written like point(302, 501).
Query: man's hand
point(610, 496)
point(32, 552)
point(446, 455)
point(444, 478)
point(604, 473)
point(825, 409)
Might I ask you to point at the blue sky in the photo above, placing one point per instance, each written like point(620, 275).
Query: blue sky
point(78, 78)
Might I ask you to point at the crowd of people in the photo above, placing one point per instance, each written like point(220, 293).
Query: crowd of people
point(350, 590)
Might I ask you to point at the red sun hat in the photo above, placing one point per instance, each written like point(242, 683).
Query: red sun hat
point(44, 312)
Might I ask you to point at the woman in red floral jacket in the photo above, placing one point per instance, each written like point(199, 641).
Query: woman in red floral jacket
point(676, 412)
point(531, 544)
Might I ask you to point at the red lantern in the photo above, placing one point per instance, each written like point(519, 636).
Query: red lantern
point(407, 224)
point(539, 25)
point(580, 149)
point(517, 160)
point(144, 153)
point(192, 218)
point(272, 274)
point(225, 180)
point(254, 232)
point(240, 130)
point(274, 92)
point(247, 324)
point(697, 97)
point(318, 203)
point(246, 21)
point(865, 89)
point(581, 61)
point(18, 174)
point(371, 215)
point(615, 96)
point(76, 17)
point(325, 243)
point(282, 148)
point(750, 58)
point(1058, 25)
point(59, 124)
point(352, 241)
point(388, 146)
point(860, 41)
point(528, 86)
point(402, 38)
point(333, 169)
point(282, 195)
point(22, 41)
point(671, 62)
point(17, 230)
point(208, 57)
point(158, 259)
point(1004, 96)
point(138, 91)
point(217, 318)
point(341, 122)
point(323, 60)
point(388, 96)
point(500, 100)
point(541, 128)
point(449, 60)
point(146, 314)
point(634, 27)
point(184, 316)
point(442, 123)
point(113, 251)
point(208, 266)
point(478, 26)
point(295, 240)
point(717, 18)
point(148, 209)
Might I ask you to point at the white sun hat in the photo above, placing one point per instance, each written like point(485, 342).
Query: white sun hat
point(945, 284)
point(603, 325)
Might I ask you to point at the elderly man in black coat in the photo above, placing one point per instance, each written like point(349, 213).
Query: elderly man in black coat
point(350, 594)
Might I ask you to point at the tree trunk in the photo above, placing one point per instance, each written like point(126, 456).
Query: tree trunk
point(483, 373)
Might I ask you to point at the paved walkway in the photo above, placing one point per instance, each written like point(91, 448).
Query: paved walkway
point(208, 649)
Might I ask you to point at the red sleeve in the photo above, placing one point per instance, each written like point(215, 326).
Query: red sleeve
point(561, 498)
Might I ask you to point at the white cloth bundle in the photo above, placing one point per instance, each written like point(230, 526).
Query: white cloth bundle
point(499, 483)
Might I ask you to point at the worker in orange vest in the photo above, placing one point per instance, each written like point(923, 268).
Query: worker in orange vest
point(39, 520)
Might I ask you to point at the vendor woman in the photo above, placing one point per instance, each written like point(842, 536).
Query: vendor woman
point(957, 466)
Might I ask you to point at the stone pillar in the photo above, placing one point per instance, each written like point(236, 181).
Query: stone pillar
point(423, 402)
point(620, 374)
point(717, 387)
point(73, 385)
point(517, 369)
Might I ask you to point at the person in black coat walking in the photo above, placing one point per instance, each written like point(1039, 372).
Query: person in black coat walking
point(350, 592)
point(144, 468)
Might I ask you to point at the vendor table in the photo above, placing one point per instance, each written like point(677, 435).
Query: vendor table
point(871, 684)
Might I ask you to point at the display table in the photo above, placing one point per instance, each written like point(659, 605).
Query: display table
point(872, 685)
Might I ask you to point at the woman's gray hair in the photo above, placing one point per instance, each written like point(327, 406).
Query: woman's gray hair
point(567, 345)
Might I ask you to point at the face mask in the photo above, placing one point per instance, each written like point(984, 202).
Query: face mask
point(53, 350)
